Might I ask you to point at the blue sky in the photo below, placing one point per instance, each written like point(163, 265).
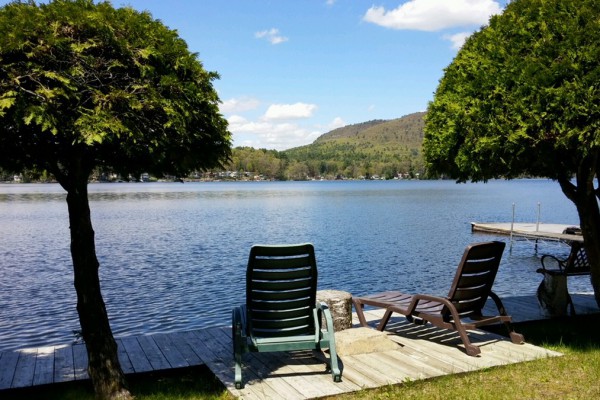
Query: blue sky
point(292, 70)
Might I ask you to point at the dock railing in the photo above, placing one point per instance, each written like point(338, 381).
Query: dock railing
point(537, 224)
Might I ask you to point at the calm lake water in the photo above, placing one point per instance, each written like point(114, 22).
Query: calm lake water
point(173, 256)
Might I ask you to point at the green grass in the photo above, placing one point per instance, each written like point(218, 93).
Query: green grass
point(576, 375)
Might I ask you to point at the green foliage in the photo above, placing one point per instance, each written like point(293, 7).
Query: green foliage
point(268, 163)
point(87, 85)
point(522, 96)
point(382, 148)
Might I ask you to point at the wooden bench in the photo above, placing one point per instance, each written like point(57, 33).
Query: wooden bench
point(552, 292)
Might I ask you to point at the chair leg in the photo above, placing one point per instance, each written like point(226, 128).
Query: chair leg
point(237, 337)
point(471, 349)
point(571, 305)
point(359, 308)
point(239, 384)
point(333, 358)
point(515, 337)
point(384, 320)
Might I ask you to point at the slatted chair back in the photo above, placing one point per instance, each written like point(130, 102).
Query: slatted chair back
point(474, 278)
point(281, 291)
point(577, 263)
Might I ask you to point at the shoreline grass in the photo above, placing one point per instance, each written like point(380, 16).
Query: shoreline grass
point(575, 375)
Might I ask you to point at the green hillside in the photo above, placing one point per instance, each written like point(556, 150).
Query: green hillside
point(408, 129)
point(382, 148)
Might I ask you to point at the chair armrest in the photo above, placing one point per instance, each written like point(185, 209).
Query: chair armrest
point(416, 299)
point(412, 308)
point(499, 304)
point(238, 316)
point(559, 262)
point(323, 310)
point(239, 328)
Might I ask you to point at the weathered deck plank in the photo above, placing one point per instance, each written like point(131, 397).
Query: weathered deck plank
point(170, 351)
point(124, 360)
point(8, 363)
point(25, 368)
point(137, 357)
point(186, 350)
point(64, 367)
point(44, 366)
point(80, 362)
point(156, 358)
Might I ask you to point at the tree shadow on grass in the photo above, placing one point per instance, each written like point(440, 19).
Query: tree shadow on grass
point(192, 382)
point(579, 332)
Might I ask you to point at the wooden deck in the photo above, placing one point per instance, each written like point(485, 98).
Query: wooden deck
point(422, 352)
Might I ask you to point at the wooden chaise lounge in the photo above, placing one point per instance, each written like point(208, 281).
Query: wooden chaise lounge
point(462, 309)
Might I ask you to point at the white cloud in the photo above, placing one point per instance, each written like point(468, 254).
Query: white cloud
point(264, 134)
point(458, 39)
point(272, 35)
point(236, 120)
point(240, 104)
point(281, 127)
point(290, 111)
point(434, 15)
point(337, 122)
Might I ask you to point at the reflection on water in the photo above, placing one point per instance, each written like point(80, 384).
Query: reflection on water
point(173, 255)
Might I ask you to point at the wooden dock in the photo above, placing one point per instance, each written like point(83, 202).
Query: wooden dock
point(531, 231)
point(422, 352)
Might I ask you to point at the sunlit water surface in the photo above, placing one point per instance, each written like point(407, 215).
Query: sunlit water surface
point(173, 256)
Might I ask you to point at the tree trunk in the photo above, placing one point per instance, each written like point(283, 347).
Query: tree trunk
point(104, 368)
point(584, 197)
point(589, 217)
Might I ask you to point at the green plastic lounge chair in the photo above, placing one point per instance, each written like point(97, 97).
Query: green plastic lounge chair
point(461, 310)
point(281, 313)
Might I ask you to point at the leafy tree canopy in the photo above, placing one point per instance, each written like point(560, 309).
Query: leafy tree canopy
point(522, 96)
point(87, 83)
point(86, 86)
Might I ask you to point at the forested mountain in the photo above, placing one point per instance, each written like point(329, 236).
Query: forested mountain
point(373, 149)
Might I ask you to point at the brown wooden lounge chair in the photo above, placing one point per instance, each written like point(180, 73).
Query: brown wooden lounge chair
point(461, 310)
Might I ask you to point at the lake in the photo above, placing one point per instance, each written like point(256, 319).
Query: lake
point(173, 256)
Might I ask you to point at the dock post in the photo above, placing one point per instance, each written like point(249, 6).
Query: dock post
point(537, 225)
point(512, 224)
